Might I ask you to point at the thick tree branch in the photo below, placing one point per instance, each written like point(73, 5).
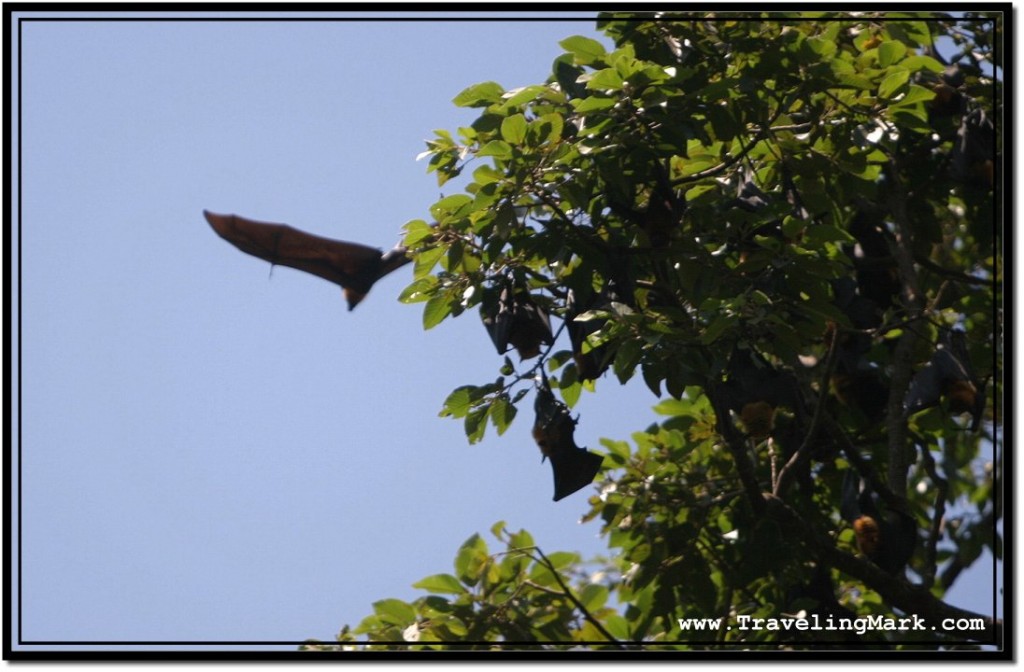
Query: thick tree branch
point(911, 600)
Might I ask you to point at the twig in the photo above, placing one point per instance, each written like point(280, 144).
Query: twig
point(568, 593)
point(941, 492)
point(804, 452)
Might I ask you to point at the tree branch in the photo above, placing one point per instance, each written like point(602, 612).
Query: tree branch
point(910, 599)
point(572, 598)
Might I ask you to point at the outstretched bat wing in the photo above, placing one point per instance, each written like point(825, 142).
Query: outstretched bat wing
point(353, 266)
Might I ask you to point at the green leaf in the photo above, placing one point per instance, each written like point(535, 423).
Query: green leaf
point(502, 413)
point(609, 78)
point(562, 559)
point(451, 206)
point(513, 129)
point(593, 596)
point(673, 407)
point(626, 358)
point(470, 560)
point(618, 627)
point(915, 94)
point(416, 231)
point(437, 308)
point(585, 50)
point(922, 62)
point(419, 290)
point(521, 539)
point(517, 97)
point(571, 390)
point(550, 126)
point(824, 48)
point(893, 83)
point(461, 400)
point(480, 95)
point(440, 583)
point(592, 104)
point(475, 424)
point(496, 148)
point(890, 52)
point(394, 611)
point(424, 261)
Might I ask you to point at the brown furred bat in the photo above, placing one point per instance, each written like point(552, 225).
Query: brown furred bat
point(514, 319)
point(553, 428)
point(353, 266)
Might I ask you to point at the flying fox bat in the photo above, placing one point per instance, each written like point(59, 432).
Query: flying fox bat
point(948, 374)
point(974, 150)
point(754, 389)
point(593, 363)
point(887, 540)
point(353, 266)
point(553, 428)
point(514, 319)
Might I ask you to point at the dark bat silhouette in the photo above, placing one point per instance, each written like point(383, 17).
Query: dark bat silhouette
point(553, 428)
point(593, 363)
point(818, 596)
point(948, 374)
point(862, 389)
point(754, 389)
point(514, 319)
point(874, 265)
point(974, 150)
point(887, 540)
point(353, 266)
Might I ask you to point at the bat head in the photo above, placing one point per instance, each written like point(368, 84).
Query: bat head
point(869, 536)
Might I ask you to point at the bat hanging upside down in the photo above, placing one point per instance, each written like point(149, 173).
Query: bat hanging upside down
point(353, 266)
point(553, 428)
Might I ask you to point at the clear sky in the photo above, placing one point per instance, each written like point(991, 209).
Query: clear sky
point(213, 453)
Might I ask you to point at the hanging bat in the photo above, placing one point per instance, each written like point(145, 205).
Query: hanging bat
point(514, 319)
point(873, 263)
point(353, 266)
point(818, 596)
point(887, 540)
point(553, 428)
point(593, 363)
point(862, 388)
point(753, 389)
point(948, 374)
point(974, 150)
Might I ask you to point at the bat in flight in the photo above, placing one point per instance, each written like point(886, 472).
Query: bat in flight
point(353, 266)
point(553, 428)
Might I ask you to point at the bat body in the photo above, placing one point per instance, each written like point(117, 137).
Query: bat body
point(753, 389)
point(948, 374)
point(515, 320)
point(974, 150)
point(553, 428)
point(862, 389)
point(352, 266)
point(593, 363)
point(889, 539)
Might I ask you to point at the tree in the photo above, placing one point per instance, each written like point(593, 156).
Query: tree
point(787, 225)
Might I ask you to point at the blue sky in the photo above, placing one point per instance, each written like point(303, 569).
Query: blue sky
point(214, 452)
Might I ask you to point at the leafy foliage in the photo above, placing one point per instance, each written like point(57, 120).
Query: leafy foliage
point(774, 222)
